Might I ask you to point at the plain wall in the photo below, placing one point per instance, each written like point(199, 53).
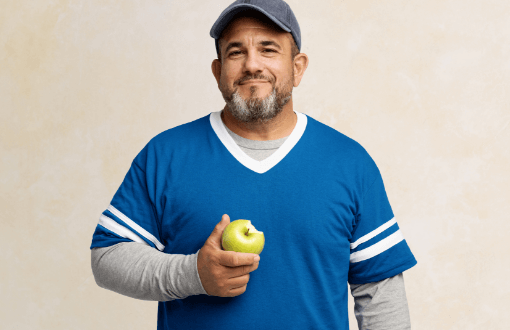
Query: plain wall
point(422, 85)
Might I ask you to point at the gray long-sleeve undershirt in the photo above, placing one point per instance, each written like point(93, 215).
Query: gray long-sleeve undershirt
point(142, 272)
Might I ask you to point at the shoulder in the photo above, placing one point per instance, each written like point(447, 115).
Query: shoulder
point(175, 141)
point(341, 154)
point(182, 133)
point(335, 143)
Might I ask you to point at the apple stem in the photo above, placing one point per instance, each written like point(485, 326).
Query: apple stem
point(247, 232)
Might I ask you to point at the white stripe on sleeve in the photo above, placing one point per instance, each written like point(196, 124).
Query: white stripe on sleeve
point(120, 230)
point(373, 233)
point(136, 227)
point(377, 248)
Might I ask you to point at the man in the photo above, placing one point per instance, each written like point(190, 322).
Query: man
point(316, 194)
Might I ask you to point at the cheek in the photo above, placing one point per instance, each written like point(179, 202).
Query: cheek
point(282, 72)
point(284, 77)
point(225, 80)
point(228, 74)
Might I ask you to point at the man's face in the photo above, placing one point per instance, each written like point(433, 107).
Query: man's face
point(256, 77)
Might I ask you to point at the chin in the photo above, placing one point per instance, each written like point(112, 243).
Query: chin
point(256, 92)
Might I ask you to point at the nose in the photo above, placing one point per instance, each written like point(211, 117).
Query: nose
point(253, 63)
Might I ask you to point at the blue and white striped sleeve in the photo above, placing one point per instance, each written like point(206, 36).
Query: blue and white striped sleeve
point(131, 215)
point(378, 247)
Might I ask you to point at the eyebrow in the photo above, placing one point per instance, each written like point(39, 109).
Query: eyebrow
point(263, 43)
point(232, 45)
point(270, 43)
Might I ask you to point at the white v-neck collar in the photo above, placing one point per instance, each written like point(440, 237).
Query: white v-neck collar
point(254, 165)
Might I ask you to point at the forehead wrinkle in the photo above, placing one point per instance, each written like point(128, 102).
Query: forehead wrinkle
point(237, 33)
point(265, 42)
point(262, 40)
point(233, 32)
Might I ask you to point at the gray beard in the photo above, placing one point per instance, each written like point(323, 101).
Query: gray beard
point(255, 110)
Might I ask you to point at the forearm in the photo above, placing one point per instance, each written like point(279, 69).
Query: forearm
point(142, 272)
point(381, 305)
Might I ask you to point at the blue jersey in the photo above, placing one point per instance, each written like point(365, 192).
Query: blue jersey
point(319, 199)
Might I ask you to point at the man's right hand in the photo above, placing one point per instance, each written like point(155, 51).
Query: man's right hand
point(224, 273)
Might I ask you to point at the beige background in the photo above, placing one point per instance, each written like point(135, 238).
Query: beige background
point(422, 85)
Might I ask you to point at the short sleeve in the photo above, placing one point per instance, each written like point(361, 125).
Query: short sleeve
point(378, 247)
point(131, 215)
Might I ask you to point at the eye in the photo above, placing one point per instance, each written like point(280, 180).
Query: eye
point(236, 52)
point(269, 50)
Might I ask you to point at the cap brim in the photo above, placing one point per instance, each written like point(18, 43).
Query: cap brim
point(225, 18)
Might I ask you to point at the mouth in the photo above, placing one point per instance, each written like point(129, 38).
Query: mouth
point(254, 81)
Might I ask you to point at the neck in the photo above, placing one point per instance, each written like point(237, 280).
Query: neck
point(274, 129)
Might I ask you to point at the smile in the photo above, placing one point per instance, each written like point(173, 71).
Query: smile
point(253, 81)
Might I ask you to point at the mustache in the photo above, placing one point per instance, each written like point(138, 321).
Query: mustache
point(252, 77)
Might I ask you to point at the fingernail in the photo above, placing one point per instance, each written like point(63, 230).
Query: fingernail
point(256, 258)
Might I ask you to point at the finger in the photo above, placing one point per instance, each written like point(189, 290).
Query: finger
point(237, 291)
point(242, 270)
point(215, 237)
point(238, 285)
point(239, 281)
point(236, 259)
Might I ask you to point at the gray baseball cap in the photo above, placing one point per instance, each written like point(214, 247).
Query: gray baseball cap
point(277, 11)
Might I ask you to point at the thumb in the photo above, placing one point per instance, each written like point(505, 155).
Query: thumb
point(215, 237)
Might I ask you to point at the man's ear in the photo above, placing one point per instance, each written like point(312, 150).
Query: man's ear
point(299, 66)
point(216, 70)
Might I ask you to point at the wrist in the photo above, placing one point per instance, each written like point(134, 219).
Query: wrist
point(198, 282)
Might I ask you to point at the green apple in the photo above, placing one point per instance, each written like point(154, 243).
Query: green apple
point(241, 236)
